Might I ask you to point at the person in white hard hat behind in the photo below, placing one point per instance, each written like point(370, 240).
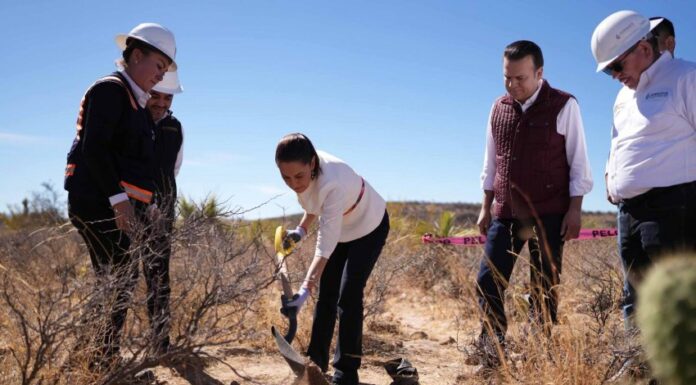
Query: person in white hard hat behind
point(651, 171)
point(663, 29)
point(168, 158)
point(109, 175)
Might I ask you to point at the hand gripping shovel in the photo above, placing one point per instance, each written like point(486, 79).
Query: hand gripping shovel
point(295, 360)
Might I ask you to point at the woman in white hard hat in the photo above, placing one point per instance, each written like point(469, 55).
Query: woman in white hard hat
point(353, 228)
point(109, 172)
point(169, 137)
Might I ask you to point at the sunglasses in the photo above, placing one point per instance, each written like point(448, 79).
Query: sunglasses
point(617, 65)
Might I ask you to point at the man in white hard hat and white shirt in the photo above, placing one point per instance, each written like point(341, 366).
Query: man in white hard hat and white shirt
point(168, 157)
point(651, 171)
point(663, 30)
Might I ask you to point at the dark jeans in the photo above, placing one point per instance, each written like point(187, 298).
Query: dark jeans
point(111, 261)
point(654, 223)
point(341, 293)
point(156, 271)
point(503, 245)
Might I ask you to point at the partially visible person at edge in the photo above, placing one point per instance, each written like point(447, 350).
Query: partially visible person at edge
point(536, 172)
point(353, 228)
point(651, 171)
point(109, 172)
point(663, 29)
point(168, 158)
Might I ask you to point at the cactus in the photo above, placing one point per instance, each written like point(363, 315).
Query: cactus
point(666, 315)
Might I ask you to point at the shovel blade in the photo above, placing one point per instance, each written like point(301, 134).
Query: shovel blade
point(294, 359)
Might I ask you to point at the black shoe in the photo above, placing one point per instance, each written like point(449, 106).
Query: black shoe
point(401, 371)
point(145, 377)
point(340, 378)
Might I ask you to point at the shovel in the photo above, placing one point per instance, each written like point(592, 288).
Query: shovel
point(295, 360)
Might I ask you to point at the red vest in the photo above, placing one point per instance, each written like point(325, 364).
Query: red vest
point(532, 171)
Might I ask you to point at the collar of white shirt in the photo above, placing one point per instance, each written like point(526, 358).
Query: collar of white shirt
point(140, 95)
point(649, 72)
point(528, 103)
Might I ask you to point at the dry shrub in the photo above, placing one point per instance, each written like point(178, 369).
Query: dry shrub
point(224, 300)
point(588, 346)
point(53, 304)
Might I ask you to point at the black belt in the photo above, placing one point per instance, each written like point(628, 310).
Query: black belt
point(655, 192)
point(362, 191)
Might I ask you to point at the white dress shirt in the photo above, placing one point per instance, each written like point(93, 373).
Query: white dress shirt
point(330, 195)
point(569, 124)
point(141, 96)
point(653, 140)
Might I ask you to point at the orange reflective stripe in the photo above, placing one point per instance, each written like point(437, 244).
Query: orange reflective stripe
point(116, 79)
point(137, 193)
point(113, 79)
point(80, 115)
point(70, 169)
point(362, 192)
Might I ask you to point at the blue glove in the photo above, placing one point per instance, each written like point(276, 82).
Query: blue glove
point(293, 236)
point(299, 299)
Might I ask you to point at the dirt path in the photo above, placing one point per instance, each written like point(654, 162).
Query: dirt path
point(412, 328)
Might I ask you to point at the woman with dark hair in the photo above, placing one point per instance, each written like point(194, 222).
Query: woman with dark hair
point(109, 173)
point(353, 228)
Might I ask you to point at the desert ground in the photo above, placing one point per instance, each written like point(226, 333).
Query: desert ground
point(420, 305)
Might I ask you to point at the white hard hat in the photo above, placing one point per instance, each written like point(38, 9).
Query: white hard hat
point(655, 22)
point(616, 34)
point(154, 35)
point(169, 84)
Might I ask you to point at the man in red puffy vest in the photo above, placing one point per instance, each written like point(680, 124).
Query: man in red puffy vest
point(536, 172)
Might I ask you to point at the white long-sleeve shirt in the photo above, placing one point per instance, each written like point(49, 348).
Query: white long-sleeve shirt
point(330, 195)
point(654, 134)
point(569, 124)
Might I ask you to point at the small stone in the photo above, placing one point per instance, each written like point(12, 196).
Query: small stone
point(419, 335)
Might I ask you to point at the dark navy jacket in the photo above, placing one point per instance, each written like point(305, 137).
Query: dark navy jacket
point(169, 138)
point(114, 150)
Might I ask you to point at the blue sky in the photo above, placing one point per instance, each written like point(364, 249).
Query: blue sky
point(401, 90)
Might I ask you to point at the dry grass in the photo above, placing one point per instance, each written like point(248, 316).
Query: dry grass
point(224, 300)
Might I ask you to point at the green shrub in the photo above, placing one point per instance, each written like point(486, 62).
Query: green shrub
point(666, 315)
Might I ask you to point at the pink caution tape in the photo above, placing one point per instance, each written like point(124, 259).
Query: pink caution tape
point(474, 240)
point(597, 233)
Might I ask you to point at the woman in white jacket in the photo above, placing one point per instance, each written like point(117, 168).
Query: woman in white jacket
point(353, 228)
